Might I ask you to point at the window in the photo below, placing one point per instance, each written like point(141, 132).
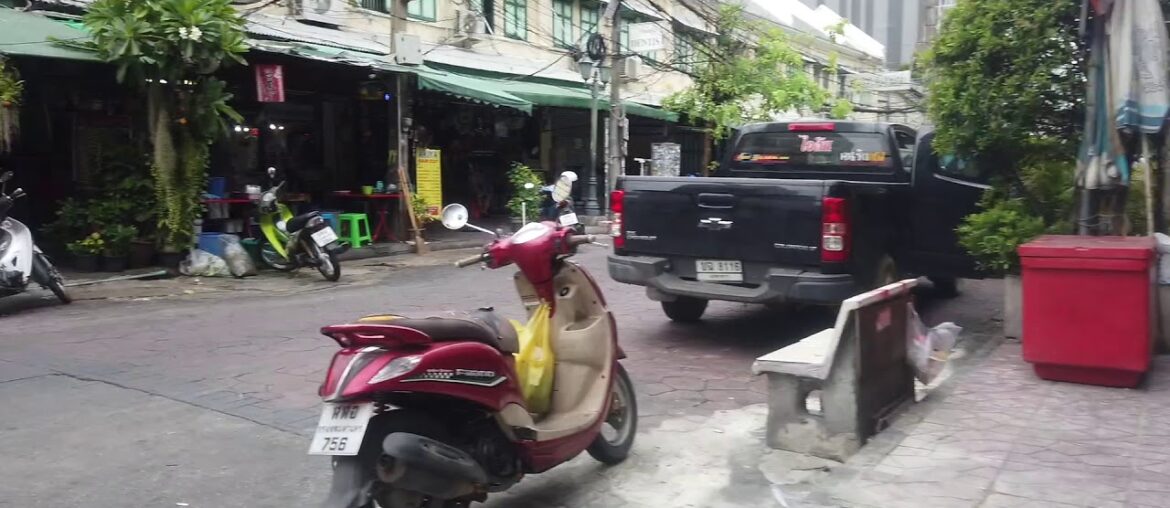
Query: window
point(905, 147)
point(420, 9)
point(624, 40)
point(813, 150)
point(516, 19)
point(685, 56)
point(375, 5)
point(590, 16)
point(563, 23)
point(486, 8)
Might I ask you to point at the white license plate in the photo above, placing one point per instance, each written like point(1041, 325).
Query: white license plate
point(718, 270)
point(341, 429)
point(324, 237)
point(569, 219)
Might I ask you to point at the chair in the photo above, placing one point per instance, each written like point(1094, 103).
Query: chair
point(334, 220)
point(355, 229)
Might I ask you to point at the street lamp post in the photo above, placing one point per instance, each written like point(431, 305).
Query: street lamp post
point(597, 76)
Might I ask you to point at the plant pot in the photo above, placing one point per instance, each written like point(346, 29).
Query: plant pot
point(1013, 307)
point(114, 263)
point(170, 260)
point(516, 223)
point(85, 262)
point(141, 254)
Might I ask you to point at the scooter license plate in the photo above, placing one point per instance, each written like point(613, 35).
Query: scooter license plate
point(569, 219)
point(324, 236)
point(341, 428)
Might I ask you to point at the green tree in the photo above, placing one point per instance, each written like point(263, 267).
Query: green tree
point(751, 72)
point(169, 49)
point(1002, 73)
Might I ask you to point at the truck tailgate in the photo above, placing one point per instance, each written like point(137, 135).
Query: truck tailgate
point(745, 219)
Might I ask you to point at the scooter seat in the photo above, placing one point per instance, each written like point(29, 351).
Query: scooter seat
point(483, 326)
point(298, 223)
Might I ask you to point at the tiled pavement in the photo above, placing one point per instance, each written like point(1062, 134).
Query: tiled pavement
point(1000, 437)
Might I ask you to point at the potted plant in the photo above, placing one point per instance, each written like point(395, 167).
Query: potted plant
point(992, 236)
point(421, 211)
point(141, 252)
point(117, 246)
point(526, 199)
point(85, 252)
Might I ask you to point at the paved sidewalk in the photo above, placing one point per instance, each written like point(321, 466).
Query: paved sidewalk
point(998, 436)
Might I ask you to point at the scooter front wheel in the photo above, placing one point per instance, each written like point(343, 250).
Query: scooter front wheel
point(327, 263)
point(612, 445)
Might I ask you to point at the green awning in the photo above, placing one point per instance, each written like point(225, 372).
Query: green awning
point(484, 90)
point(522, 95)
point(544, 94)
point(27, 34)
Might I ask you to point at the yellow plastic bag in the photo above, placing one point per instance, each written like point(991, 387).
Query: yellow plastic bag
point(535, 364)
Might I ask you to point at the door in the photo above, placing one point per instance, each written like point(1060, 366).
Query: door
point(946, 190)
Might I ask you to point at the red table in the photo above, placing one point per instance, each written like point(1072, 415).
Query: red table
point(1088, 308)
point(381, 204)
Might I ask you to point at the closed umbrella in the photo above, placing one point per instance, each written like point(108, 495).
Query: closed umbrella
point(1127, 91)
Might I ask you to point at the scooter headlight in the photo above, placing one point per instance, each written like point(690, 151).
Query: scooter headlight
point(397, 367)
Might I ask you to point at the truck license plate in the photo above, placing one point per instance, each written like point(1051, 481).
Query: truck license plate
point(717, 270)
point(341, 429)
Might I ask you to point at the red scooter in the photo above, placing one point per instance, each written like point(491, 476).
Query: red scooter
point(429, 412)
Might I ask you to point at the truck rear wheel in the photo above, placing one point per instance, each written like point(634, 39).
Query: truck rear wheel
point(685, 309)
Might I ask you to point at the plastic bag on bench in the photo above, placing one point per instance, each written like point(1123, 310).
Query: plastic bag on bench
point(929, 348)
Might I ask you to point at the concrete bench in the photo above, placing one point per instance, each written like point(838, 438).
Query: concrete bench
point(858, 367)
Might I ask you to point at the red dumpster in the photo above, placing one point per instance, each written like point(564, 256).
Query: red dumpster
point(1089, 308)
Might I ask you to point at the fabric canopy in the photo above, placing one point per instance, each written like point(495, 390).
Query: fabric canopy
point(474, 89)
point(26, 34)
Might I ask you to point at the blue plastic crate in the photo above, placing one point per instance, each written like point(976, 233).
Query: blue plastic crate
point(217, 186)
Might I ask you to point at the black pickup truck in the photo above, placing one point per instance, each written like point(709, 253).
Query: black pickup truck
point(808, 212)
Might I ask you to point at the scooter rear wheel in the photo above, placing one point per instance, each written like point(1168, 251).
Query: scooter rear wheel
point(359, 474)
point(50, 278)
point(612, 445)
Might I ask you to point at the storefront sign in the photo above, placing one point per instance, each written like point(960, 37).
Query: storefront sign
point(429, 184)
point(646, 37)
point(269, 83)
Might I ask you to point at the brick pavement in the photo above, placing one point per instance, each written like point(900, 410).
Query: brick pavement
point(257, 357)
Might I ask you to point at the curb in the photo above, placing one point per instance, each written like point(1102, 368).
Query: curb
point(396, 249)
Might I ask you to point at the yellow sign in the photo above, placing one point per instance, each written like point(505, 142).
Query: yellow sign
point(429, 179)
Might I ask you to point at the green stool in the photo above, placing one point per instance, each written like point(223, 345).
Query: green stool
point(355, 229)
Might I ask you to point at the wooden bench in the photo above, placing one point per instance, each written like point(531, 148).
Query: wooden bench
point(859, 369)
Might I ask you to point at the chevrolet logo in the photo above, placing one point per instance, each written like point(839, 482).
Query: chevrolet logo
point(715, 224)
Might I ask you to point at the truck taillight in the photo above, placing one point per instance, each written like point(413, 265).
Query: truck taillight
point(616, 229)
point(834, 230)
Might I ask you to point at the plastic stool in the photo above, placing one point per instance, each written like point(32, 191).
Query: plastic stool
point(334, 221)
point(355, 229)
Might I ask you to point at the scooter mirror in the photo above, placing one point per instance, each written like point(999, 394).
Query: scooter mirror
point(564, 186)
point(6, 176)
point(454, 216)
point(271, 171)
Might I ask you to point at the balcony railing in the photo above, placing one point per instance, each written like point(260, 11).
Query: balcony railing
point(375, 5)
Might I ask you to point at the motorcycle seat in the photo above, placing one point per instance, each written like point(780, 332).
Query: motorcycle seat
point(297, 223)
point(482, 325)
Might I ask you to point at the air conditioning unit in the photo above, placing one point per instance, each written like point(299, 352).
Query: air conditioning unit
point(324, 12)
point(630, 68)
point(470, 26)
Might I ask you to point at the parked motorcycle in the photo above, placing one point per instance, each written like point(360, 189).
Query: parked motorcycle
point(292, 242)
point(21, 261)
point(560, 210)
point(429, 412)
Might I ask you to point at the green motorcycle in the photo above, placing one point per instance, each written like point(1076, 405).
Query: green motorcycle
point(291, 242)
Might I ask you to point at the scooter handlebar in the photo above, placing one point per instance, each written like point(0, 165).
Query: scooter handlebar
point(577, 240)
point(465, 262)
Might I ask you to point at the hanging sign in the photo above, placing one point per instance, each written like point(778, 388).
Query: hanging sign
point(429, 179)
point(269, 83)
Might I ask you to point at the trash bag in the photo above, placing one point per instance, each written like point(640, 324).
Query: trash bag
point(1163, 258)
point(535, 364)
point(928, 349)
point(238, 261)
point(200, 263)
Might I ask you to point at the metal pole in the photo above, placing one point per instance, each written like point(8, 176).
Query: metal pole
point(616, 161)
point(592, 205)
